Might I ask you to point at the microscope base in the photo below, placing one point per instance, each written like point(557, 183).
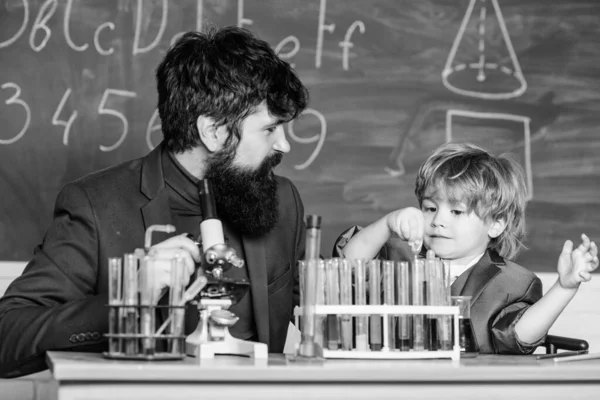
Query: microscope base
point(229, 345)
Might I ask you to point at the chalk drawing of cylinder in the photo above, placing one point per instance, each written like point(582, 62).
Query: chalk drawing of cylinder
point(526, 121)
point(482, 62)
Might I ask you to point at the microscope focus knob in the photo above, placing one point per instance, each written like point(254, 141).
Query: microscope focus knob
point(223, 317)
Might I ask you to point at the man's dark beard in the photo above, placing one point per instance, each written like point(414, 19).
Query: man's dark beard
point(246, 199)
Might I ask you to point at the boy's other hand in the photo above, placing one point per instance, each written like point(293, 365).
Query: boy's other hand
point(575, 265)
point(408, 223)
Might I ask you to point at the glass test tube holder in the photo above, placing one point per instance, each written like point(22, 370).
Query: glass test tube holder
point(385, 311)
point(135, 344)
point(132, 335)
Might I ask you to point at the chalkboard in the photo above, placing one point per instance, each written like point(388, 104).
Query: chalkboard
point(389, 81)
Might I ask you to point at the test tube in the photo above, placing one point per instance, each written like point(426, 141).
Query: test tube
point(147, 302)
point(309, 301)
point(130, 298)
point(175, 296)
point(360, 298)
point(332, 297)
point(346, 299)
point(445, 321)
point(313, 237)
point(375, 299)
point(403, 299)
point(418, 299)
point(320, 331)
point(433, 270)
point(387, 267)
point(301, 270)
point(115, 299)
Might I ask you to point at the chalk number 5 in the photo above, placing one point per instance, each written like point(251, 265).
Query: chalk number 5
point(103, 110)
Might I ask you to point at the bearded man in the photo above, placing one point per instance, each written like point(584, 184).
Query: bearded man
point(223, 97)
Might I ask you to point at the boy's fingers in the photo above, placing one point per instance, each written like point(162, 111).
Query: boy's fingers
point(585, 243)
point(586, 276)
point(585, 239)
point(567, 248)
point(593, 249)
point(594, 263)
point(415, 230)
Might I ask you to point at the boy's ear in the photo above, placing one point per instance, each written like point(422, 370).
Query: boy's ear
point(497, 228)
point(212, 136)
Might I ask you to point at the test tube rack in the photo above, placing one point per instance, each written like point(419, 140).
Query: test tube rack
point(389, 311)
point(132, 341)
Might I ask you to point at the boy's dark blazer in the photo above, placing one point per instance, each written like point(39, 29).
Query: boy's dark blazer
point(58, 303)
point(500, 293)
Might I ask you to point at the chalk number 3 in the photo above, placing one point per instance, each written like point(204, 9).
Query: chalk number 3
point(16, 100)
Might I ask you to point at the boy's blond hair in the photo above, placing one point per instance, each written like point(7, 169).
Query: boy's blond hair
point(491, 186)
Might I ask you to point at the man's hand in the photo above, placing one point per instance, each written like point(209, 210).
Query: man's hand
point(163, 254)
point(575, 265)
point(409, 224)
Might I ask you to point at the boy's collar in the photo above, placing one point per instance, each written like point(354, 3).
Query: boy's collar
point(493, 255)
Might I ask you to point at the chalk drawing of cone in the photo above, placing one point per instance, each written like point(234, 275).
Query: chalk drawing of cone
point(482, 62)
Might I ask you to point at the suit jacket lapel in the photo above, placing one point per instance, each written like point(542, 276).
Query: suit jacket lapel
point(254, 250)
point(157, 210)
point(480, 276)
point(457, 287)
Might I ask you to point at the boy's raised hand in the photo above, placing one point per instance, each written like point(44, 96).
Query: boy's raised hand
point(409, 224)
point(575, 265)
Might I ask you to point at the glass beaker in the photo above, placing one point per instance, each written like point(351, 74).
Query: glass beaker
point(466, 335)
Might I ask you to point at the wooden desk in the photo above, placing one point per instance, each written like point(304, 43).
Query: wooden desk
point(84, 376)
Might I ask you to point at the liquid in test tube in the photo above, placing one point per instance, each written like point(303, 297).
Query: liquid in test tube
point(307, 347)
point(387, 268)
point(332, 298)
point(175, 297)
point(346, 300)
point(445, 321)
point(360, 298)
point(130, 298)
point(403, 299)
point(320, 331)
point(418, 284)
point(434, 286)
point(301, 271)
point(115, 298)
point(147, 302)
point(375, 299)
point(311, 325)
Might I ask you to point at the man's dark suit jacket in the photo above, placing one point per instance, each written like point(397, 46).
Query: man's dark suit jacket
point(501, 291)
point(58, 303)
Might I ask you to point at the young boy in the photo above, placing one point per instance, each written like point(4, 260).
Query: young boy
point(473, 214)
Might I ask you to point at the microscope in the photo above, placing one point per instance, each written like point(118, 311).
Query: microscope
point(212, 336)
